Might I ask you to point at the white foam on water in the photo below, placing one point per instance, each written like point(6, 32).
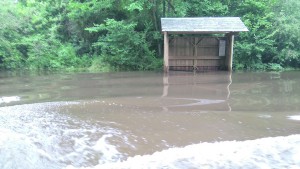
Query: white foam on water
point(275, 153)
point(295, 117)
point(109, 151)
point(18, 151)
point(9, 99)
point(36, 136)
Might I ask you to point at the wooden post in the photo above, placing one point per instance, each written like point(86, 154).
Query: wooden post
point(166, 52)
point(229, 57)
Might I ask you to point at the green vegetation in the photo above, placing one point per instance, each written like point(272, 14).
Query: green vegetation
point(125, 35)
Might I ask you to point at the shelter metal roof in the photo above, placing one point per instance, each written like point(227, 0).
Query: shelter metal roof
point(203, 25)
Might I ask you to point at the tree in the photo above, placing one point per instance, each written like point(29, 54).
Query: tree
point(124, 48)
point(287, 36)
point(257, 47)
point(58, 34)
point(11, 24)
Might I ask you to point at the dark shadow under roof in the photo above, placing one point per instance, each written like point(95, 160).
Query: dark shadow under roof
point(203, 25)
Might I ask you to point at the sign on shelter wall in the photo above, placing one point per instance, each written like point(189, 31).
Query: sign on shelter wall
point(222, 47)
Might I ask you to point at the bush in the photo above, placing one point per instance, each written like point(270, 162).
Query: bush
point(274, 67)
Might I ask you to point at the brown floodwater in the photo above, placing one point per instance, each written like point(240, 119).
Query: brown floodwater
point(87, 119)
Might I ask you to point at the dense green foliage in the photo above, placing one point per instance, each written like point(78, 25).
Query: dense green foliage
point(125, 34)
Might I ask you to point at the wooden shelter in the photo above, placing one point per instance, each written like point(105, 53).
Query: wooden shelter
point(208, 45)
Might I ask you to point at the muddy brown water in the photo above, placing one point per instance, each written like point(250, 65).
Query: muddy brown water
point(85, 119)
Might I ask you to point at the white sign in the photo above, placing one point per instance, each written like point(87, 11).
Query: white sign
point(222, 47)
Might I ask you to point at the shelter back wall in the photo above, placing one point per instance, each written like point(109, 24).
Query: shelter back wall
point(195, 52)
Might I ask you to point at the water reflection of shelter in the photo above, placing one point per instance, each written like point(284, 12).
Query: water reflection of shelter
point(203, 91)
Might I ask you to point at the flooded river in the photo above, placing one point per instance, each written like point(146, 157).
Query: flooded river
point(150, 120)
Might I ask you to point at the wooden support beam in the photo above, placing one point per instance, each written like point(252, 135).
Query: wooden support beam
point(229, 57)
point(166, 52)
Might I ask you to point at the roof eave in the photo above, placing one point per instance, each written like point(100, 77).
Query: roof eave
point(203, 32)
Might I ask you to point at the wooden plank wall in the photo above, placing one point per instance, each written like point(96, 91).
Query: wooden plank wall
point(200, 53)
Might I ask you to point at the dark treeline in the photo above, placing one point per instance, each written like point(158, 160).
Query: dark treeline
point(125, 34)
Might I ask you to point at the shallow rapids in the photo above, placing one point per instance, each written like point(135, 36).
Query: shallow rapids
point(275, 153)
point(150, 120)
